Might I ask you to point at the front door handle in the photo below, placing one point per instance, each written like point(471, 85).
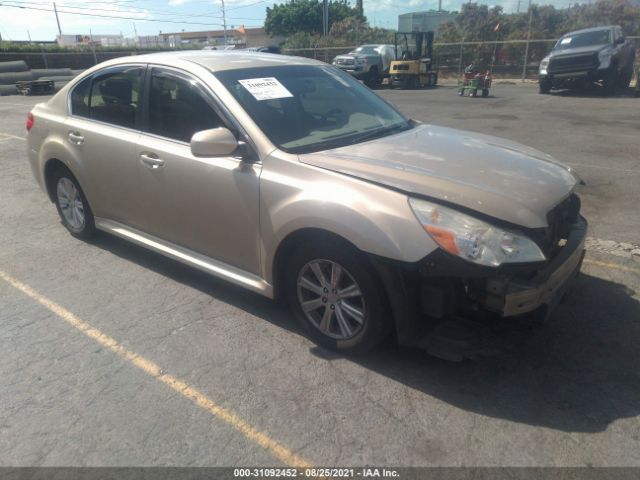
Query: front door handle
point(151, 160)
point(75, 138)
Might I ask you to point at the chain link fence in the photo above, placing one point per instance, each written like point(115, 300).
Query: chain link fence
point(506, 58)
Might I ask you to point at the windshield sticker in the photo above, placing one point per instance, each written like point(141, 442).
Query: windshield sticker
point(268, 88)
point(565, 41)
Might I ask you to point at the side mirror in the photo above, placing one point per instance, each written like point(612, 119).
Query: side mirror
point(215, 142)
point(619, 41)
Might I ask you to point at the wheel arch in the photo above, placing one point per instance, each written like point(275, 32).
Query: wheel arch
point(294, 239)
point(50, 168)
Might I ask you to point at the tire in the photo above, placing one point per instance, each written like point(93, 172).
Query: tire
point(372, 78)
point(335, 322)
point(485, 92)
point(610, 82)
point(627, 75)
point(473, 92)
point(544, 86)
point(461, 92)
point(77, 220)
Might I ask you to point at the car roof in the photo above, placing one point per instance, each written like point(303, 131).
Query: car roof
point(592, 29)
point(217, 60)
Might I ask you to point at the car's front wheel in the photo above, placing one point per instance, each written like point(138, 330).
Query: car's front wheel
point(72, 205)
point(544, 86)
point(336, 295)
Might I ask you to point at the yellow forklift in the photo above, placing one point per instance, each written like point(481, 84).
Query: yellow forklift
point(414, 65)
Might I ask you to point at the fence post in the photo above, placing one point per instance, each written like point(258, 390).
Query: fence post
point(44, 56)
point(526, 48)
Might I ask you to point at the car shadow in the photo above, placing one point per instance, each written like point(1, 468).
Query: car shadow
point(578, 373)
point(594, 91)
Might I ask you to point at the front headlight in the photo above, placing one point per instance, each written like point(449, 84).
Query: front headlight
point(544, 64)
point(472, 239)
point(605, 57)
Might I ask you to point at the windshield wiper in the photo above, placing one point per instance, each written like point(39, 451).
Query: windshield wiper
point(384, 131)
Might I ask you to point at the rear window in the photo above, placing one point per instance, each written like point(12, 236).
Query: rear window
point(110, 97)
point(80, 98)
point(115, 96)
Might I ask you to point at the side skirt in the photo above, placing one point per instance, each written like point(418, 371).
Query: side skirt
point(216, 268)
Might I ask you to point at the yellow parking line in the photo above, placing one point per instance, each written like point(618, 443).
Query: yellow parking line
point(615, 266)
point(150, 368)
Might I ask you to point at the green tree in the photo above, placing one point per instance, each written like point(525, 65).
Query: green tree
point(304, 16)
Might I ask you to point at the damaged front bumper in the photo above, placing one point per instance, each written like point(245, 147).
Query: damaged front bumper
point(442, 286)
point(517, 296)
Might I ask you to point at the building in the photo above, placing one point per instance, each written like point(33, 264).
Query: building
point(423, 21)
point(93, 39)
point(241, 37)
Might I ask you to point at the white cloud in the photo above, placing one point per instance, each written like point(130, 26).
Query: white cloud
point(42, 24)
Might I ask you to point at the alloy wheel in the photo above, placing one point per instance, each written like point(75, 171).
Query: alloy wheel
point(70, 203)
point(331, 299)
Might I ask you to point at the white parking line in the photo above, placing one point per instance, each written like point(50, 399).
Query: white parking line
point(581, 165)
point(8, 135)
point(15, 104)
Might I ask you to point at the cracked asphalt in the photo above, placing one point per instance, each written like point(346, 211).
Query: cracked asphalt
point(568, 396)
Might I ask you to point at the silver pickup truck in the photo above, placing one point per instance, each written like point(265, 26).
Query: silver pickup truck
point(369, 63)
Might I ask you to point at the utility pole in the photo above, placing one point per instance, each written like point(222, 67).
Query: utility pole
point(439, 5)
point(325, 17)
point(526, 48)
point(55, 9)
point(224, 23)
point(29, 35)
point(518, 8)
point(135, 32)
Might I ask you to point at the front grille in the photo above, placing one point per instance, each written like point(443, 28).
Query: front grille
point(573, 63)
point(560, 219)
point(344, 61)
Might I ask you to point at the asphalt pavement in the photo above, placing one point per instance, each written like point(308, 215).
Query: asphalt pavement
point(116, 356)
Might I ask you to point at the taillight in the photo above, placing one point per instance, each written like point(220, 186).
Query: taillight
point(30, 121)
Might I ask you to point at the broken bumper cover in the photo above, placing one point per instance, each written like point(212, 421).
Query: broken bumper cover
point(516, 296)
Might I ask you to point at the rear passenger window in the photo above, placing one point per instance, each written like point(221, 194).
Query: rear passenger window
point(80, 98)
point(177, 108)
point(115, 95)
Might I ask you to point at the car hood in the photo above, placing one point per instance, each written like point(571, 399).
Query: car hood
point(356, 55)
point(494, 176)
point(574, 51)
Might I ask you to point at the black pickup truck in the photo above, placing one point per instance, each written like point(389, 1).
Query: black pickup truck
point(584, 57)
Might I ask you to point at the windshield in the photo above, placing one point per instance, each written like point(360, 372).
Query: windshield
point(366, 50)
point(305, 109)
point(597, 37)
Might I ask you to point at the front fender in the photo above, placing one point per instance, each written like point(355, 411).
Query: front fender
point(375, 219)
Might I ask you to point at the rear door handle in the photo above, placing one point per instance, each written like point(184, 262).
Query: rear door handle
point(75, 138)
point(151, 160)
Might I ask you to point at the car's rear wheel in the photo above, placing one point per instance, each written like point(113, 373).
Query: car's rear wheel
point(72, 205)
point(335, 294)
point(626, 76)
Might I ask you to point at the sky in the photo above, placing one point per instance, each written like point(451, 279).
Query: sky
point(20, 19)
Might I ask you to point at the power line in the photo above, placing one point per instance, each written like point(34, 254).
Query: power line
point(139, 11)
point(117, 17)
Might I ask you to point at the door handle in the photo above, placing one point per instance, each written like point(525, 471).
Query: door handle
point(75, 138)
point(151, 160)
